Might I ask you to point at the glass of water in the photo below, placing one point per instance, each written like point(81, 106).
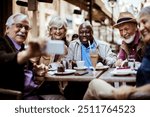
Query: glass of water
point(131, 61)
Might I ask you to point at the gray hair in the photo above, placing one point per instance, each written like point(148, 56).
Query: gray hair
point(57, 21)
point(16, 18)
point(145, 11)
point(87, 24)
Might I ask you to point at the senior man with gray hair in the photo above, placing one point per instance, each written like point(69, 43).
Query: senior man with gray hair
point(15, 68)
point(79, 49)
point(132, 44)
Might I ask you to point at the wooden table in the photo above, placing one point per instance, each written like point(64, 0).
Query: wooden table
point(108, 77)
point(64, 79)
point(81, 78)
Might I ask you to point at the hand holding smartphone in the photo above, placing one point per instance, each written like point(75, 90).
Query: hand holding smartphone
point(55, 47)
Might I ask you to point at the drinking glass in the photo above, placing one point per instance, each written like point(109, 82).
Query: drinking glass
point(94, 57)
point(131, 61)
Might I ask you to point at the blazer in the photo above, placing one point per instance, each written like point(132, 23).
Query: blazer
point(11, 73)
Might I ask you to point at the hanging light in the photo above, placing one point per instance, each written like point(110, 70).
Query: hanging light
point(47, 1)
point(25, 2)
point(112, 3)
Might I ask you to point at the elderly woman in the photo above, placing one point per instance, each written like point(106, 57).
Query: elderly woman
point(57, 28)
point(143, 75)
point(98, 88)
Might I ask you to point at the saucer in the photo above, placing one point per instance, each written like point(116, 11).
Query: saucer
point(80, 68)
point(122, 72)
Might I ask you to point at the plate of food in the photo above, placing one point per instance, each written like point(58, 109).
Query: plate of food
point(66, 72)
point(122, 72)
point(100, 66)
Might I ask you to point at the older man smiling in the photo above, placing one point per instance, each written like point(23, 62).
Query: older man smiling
point(15, 68)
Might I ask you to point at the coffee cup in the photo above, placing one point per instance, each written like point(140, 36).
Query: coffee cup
point(80, 64)
point(54, 65)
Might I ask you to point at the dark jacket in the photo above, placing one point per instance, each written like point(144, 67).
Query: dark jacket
point(143, 74)
point(11, 73)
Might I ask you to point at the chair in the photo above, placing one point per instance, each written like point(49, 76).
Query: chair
point(40, 81)
point(10, 94)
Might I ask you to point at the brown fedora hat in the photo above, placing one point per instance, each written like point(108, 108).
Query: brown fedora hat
point(125, 17)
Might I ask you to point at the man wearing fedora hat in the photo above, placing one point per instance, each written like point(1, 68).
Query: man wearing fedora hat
point(100, 89)
point(131, 38)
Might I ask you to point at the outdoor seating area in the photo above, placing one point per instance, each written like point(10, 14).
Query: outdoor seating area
point(104, 74)
point(68, 50)
point(74, 58)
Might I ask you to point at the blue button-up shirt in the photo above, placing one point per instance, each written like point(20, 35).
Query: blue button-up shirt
point(85, 54)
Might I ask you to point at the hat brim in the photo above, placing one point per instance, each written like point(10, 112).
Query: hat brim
point(127, 21)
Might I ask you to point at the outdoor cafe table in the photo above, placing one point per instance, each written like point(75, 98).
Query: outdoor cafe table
point(64, 79)
point(81, 78)
point(108, 77)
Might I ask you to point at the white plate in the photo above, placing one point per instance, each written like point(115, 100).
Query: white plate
point(102, 67)
point(67, 72)
point(122, 72)
point(83, 68)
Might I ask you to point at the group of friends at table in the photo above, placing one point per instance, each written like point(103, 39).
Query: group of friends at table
point(20, 64)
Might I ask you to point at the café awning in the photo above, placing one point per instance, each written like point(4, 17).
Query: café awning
point(98, 10)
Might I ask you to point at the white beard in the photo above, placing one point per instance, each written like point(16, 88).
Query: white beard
point(129, 40)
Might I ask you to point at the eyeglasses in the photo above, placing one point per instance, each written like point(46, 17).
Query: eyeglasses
point(58, 29)
point(20, 26)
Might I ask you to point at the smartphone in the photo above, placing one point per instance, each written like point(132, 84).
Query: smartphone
point(55, 47)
